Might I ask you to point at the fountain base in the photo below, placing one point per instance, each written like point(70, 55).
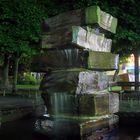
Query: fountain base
point(76, 127)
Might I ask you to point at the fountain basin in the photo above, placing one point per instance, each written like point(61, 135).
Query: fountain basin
point(76, 127)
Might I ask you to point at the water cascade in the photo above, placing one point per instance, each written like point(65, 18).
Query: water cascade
point(76, 56)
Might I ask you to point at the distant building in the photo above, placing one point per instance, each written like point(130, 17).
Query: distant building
point(129, 68)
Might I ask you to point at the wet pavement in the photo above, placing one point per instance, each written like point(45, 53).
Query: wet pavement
point(15, 129)
point(14, 102)
point(129, 132)
point(24, 130)
point(19, 130)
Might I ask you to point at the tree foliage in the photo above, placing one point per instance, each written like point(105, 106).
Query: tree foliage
point(19, 29)
point(20, 25)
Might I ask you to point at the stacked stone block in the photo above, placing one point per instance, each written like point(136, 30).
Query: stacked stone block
point(76, 55)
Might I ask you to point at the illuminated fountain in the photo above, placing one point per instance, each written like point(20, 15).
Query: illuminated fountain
point(76, 56)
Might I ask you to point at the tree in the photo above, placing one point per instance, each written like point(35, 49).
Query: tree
point(19, 31)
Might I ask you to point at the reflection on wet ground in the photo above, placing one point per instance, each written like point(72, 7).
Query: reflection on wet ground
point(23, 130)
point(129, 132)
point(18, 130)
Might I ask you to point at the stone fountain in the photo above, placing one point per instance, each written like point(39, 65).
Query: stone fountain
point(75, 57)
